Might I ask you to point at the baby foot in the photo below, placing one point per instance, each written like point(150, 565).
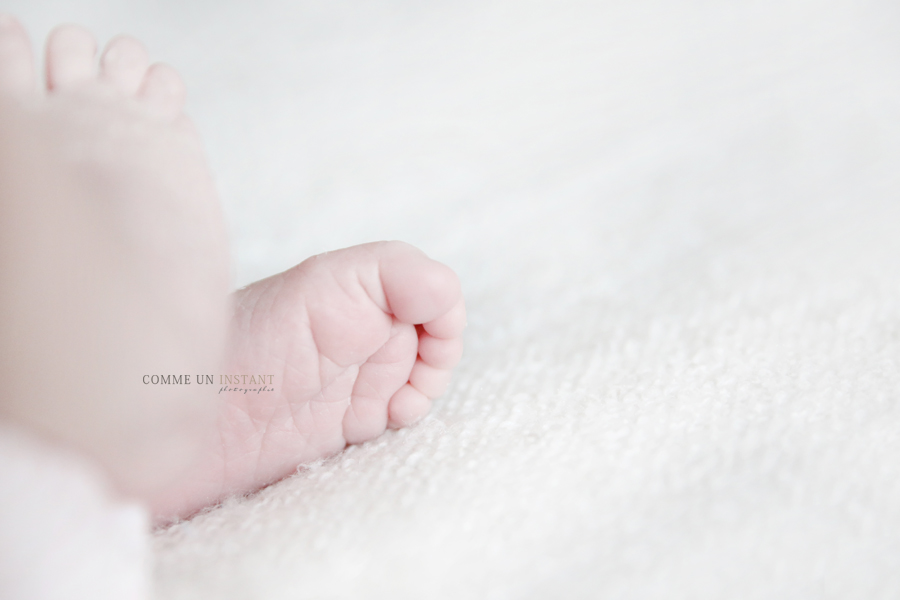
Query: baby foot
point(354, 341)
point(113, 258)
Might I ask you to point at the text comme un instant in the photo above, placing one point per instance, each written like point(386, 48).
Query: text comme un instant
point(208, 379)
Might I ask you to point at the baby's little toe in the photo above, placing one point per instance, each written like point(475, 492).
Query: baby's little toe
point(163, 91)
point(407, 406)
point(124, 64)
point(16, 62)
point(70, 57)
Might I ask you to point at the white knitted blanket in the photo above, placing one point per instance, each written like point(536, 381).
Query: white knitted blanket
point(677, 225)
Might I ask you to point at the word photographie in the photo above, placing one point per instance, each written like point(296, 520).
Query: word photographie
point(229, 383)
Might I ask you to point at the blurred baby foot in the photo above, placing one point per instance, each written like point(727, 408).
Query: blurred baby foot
point(113, 256)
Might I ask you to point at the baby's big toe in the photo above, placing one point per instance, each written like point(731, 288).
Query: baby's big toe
point(417, 288)
point(17, 76)
point(70, 57)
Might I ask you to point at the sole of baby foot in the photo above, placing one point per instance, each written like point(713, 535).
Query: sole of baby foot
point(114, 258)
point(331, 352)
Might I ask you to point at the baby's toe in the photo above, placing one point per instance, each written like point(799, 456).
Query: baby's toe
point(163, 91)
point(431, 381)
point(438, 352)
point(449, 325)
point(417, 288)
point(70, 57)
point(16, 61)
point(407, 406)
point(124, 64)
point(434, 367)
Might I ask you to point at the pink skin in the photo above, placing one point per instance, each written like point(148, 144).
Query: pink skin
point(357, 340)
point(113, 244)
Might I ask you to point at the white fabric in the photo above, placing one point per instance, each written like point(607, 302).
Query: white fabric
point(676, 227)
